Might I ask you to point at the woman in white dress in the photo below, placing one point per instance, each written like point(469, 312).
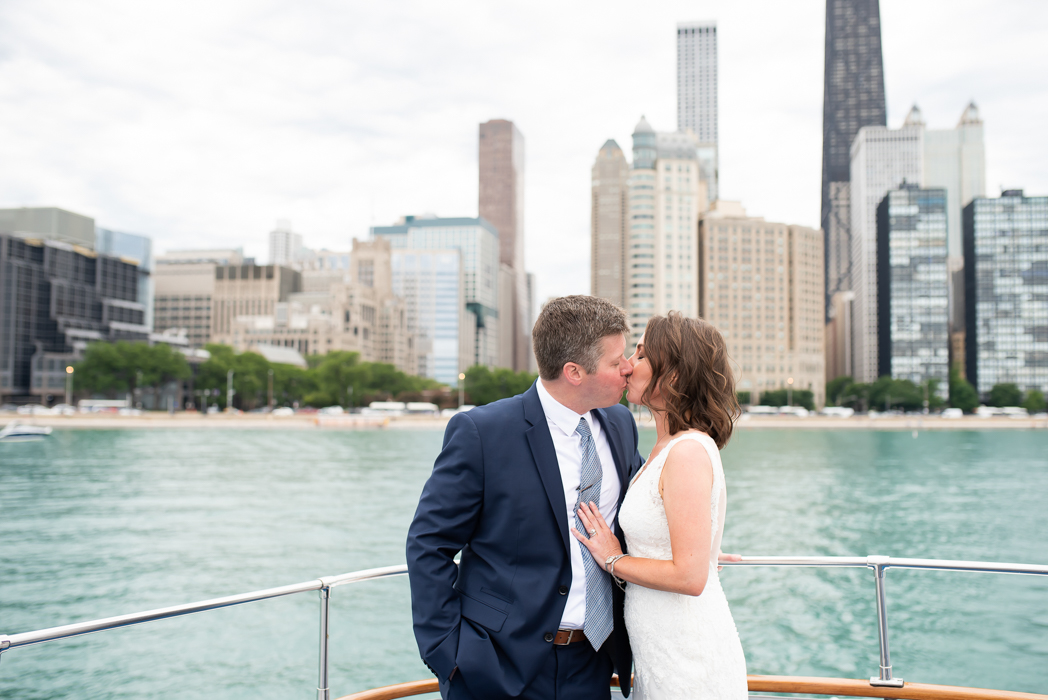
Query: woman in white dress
point(684, 640)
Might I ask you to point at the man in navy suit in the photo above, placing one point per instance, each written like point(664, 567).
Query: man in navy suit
point(525, 614)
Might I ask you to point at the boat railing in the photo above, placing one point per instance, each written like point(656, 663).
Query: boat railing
point(879, 565)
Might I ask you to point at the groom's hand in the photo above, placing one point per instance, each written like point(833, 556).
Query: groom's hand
point(727, 557)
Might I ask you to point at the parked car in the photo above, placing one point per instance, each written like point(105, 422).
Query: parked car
point(952, 413)
point(331, 411)
point(448, 412)
point(283, 411)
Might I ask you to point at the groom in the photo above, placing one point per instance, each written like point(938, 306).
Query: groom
point(526, 614)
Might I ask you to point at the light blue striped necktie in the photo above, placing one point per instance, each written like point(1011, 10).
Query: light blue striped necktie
point(598, 584)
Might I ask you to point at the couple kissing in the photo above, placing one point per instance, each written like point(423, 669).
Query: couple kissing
point(578, 559)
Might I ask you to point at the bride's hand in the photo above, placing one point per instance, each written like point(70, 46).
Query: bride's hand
point(602, 543)
point(722, 557)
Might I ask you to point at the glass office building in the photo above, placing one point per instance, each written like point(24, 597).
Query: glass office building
point(134, 248)
point(429, 282)
point(477, 242)
point(56, 298)
point(912, 286)
point(1006, 290)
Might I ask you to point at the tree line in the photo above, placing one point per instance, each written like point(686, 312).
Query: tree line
point(337, 378)
point(887, 394)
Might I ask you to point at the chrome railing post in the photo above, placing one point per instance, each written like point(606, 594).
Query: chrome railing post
point(879, 565)
point(323, 692)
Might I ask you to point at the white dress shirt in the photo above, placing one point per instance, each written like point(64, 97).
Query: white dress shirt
point(562, 423)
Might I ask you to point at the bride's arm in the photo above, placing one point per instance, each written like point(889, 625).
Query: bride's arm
point(686, 485)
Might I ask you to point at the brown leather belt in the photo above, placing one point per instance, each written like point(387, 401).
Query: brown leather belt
point(569, 637)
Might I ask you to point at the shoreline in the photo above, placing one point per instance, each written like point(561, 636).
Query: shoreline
point(163, 420)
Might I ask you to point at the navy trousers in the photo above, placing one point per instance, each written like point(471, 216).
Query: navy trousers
point(571, 672)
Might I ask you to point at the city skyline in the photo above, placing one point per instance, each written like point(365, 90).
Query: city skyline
point(270, 117)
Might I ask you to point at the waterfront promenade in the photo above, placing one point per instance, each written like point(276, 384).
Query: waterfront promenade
point(306, 421)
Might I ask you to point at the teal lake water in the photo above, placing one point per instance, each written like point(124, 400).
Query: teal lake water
point(100, 523)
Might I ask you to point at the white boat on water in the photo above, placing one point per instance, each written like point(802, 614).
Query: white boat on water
point(16, 432)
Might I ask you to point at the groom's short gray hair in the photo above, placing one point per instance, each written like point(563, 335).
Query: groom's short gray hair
point(571, 329)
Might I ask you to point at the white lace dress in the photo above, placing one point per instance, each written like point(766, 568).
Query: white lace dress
point(683, 646)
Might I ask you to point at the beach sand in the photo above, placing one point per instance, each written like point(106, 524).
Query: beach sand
point(262, 421)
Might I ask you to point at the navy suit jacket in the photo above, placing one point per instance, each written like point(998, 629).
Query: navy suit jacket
point(496, 496)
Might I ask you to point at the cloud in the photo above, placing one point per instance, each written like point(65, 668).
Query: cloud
point(200, 124)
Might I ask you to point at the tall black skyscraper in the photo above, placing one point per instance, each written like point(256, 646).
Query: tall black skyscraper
point(853, 97)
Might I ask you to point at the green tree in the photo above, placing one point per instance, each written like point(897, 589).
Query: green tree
point(887, 394)
point(1005, 395)
point(485, 386)
point(290, 383)
point(962, 393)
point(123, 367)
point(935, 401)
point(250, 380)
point(160, 364)
point(743, 397)
point(212, 373)
point(101, 371)
point(835, 389)
point(780, 397)
point(856, 396)
point(1034, 402)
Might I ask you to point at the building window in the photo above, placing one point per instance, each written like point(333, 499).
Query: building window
point(366, 273)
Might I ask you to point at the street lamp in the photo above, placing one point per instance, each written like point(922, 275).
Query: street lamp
point(229, 391)
point(271, 390)
point(462, 388)
point(69, 385)
point(789, 391)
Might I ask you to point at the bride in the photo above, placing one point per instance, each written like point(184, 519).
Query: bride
point(684, 639)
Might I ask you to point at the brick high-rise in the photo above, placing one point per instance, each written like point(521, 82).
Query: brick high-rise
point(501, 202)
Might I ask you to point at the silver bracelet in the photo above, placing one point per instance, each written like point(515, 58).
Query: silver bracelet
point(609, 565)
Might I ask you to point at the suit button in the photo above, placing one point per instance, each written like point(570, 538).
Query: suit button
point(563, 590)
point(548, 636)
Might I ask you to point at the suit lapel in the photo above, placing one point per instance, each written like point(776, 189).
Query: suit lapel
point(545, 456)
point(615, 440)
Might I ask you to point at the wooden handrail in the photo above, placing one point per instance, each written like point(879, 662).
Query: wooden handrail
point(774, 684)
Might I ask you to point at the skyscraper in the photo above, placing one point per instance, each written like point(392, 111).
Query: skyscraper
point(501, 202)
point(853, 97)
point(697, 93)
point(882, 160)
point(1006, 274)
point(912, 286)
point(667, 195)
point(478, 244)
point(284, 245)
point(761, 285)
point(609, 209)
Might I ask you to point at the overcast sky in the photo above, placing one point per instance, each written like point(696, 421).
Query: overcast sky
point(201, 123)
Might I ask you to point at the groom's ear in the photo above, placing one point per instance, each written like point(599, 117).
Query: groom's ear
point(573, 373)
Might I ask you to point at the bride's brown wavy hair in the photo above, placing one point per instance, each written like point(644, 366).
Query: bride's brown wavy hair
point(692, 376)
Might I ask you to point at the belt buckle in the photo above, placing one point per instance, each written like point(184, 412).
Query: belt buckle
point(571, 634)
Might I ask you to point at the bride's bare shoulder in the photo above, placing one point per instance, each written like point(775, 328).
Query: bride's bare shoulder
point(688, 452)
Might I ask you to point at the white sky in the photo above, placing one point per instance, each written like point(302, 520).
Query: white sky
point(201, 123)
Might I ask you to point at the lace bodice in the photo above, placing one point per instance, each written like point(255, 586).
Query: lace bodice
point(683, 646)
point(644, 522)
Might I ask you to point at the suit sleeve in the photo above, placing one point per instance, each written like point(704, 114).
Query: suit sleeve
point(446, 517)
point(636, 461)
